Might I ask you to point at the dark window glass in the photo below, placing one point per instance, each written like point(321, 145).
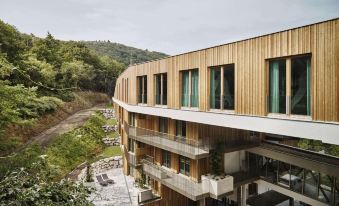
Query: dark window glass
point(228, 96)
point(158, 89)
point(180, 128)
point(277, 87)
point(166, 159)
point(145, 90)
point(140, 88)
point(164, 89)
point(130, 145)
point(163, 125)
point(301, 84)
point(184, 165)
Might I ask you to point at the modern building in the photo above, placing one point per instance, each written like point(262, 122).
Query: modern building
point(228, 125)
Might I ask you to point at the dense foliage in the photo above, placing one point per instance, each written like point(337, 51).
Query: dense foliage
point(318, 146)
point(36, 177)
point(66, 152)
point(34, 186)
point(49, 63)
point(125, 54)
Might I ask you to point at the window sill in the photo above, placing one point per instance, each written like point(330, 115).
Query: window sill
point(167, 168)
point(142, 104)
point(190, 108)
point(161, 106)
point(292, 116)
point(220, 111)
point(184, 176)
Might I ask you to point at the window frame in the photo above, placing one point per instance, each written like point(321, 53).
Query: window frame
point(165, 121)
point(288, 85)
point(163, 89)
point(186, 162)
point(142, 82)
point(221, 69)
point(191, 89)
point(166, 159)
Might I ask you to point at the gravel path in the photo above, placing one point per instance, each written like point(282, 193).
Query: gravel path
point(70, 123)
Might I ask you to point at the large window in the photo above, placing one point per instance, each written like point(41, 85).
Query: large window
point(166, 158)
point(290, 94)
point(161, 89)
point(222, 87)
point(190, 88)
point(163, 125)
point(184, 165)
point(142, 89)
point(180, 129)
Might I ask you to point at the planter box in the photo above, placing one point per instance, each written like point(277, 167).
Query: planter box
point(145, 195)
point(217, 186)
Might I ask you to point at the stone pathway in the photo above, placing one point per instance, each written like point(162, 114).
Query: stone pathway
point(121, 193)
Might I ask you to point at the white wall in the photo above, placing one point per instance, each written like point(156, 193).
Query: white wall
point(234, 161)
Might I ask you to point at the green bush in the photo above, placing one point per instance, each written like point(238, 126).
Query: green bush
point(27, 186)
point(24, 159)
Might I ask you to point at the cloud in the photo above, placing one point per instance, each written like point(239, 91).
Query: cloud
point(171, 26)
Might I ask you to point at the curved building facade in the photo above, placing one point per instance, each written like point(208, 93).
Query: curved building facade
point(228, 125)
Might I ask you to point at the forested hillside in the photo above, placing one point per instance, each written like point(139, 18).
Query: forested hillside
point(43, 81)
point(39, 74)
point(125, 54)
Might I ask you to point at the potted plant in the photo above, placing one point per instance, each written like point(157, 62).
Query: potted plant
point(217, 183)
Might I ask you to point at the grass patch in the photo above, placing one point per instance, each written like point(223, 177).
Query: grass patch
point(113, 135)
point(111, 151)
point(108, 152)
point(111, 122)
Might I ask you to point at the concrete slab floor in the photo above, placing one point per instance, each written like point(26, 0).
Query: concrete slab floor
point(121, 193)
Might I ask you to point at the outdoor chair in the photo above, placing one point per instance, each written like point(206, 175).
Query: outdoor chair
point(107, 179)
point(101, 181)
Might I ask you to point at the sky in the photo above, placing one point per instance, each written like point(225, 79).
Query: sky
point(169, 26)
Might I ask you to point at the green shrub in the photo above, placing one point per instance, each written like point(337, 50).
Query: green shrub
point(27, 186)
point(24, 159)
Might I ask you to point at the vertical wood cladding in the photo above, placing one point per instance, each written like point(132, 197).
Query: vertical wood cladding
point(250, 59)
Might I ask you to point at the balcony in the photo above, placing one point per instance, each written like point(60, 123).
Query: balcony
point(177, 182)
point(133, 159)
point(187, 147)
point(146, 196)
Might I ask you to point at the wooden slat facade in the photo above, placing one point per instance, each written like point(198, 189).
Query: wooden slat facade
point(250, 58)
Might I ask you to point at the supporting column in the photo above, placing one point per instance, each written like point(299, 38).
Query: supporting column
point(243, 189)
point(201, 202)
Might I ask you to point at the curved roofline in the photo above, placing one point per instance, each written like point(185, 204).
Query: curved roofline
point(233, 42)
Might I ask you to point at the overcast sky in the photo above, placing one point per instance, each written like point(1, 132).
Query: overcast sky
point(170, 26)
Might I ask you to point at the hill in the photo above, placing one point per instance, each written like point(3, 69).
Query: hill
point(122, 53)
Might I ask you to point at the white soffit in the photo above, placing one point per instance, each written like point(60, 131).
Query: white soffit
point(326, 132)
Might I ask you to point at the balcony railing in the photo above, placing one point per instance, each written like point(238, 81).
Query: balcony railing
point(133, 159)
point(152, 169)
point(177, 182)
point(180, 145)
